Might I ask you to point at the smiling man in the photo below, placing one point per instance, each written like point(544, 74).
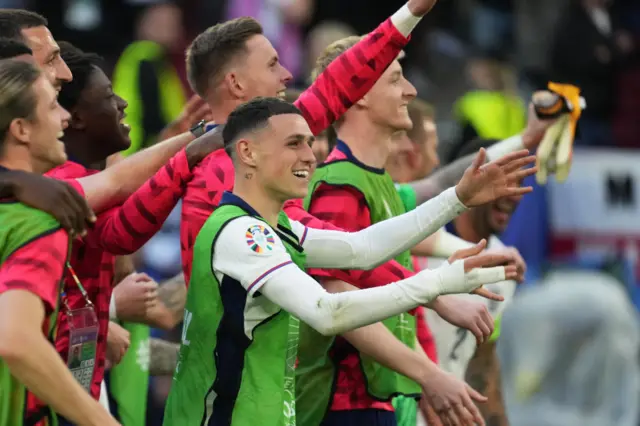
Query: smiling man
point(249, 286)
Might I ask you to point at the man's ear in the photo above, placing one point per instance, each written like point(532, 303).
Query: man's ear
point(20, 129)
point(245, 152)
point(234, 84)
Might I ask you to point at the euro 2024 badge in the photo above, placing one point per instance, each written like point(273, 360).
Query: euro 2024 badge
point(259, 239)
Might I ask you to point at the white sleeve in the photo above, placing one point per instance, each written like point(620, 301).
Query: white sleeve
point(404, 20)
point(382, 241)
point(504, 147)
point(248, 250)
point(446, 244)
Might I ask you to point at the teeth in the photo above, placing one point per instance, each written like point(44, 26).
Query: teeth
point(281, 94)
point(301, 173)
point(60, 135)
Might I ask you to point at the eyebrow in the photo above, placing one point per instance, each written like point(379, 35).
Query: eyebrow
point(298, 137)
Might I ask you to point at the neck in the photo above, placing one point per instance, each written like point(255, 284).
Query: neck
point(257, 197)
point(368, 141)
point(465, 228)
point(221, 108)
point(17, 157)
point(81, 150)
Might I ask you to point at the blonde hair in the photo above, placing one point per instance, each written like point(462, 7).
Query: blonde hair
point(331, 53)
point(17, 100)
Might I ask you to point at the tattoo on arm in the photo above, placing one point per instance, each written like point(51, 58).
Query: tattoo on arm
point(442, 179)
point(483, 374)
point(163, 357)
point(173, 294)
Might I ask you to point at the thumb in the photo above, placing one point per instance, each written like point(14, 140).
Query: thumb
point(468, 252)
point(141, 277)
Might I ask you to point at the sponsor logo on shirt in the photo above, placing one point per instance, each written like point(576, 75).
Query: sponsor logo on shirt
point(259, 239)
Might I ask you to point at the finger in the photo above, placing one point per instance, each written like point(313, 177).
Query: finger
point(431, 417)
point(483, 292)
point(479, 160)
point(464, 418)
point(472, 408)
point(488, 320)
point(200, 113)
point(506, 159)
point(485, 260)
point(192, 104)
point(475, 395)
point(517, 175)
point(453, 417)
point(518, 164)
point(477, 333)
point(485, 330)
point(510, 272)
point(514, 191)
point(469, 252)
point(141, 276)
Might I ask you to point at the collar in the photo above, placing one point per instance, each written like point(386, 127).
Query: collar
point(344, 148)
point(210, 127)
point(232, 199)
point(4, 169)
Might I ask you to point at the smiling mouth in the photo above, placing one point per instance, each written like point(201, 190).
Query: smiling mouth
point(302, 174)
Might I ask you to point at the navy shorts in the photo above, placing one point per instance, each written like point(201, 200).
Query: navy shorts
point(368, 417)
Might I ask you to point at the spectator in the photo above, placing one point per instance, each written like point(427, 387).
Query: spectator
point(145, 77)
point(587, 51)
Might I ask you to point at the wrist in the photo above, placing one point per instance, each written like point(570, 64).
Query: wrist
point(113, 310)
point(405, 20)
point(530, 139)
point(426, 372)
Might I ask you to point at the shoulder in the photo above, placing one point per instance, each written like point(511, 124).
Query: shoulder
point(24, 214)
point(70, 170)
point(247, 236)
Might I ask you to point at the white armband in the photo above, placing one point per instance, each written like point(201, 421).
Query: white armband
point(405, 21)
point(113, 312)
point(502, 148)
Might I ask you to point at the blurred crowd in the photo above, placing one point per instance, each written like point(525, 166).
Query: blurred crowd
point(475, 63)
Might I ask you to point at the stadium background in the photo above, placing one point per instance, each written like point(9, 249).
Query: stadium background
point(589, 222)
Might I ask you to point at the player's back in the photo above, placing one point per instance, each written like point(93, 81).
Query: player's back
point(21, 224)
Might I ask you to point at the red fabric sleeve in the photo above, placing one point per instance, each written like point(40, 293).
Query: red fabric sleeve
point(425, 337)
point(126, 228)
point(347, 208)
point(350, 77)
point(37, 267)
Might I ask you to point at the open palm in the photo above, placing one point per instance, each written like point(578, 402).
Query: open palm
point(485, 183)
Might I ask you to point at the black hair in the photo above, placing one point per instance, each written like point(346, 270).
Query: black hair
point(473, 146)
point(10, 48)
point(253, 115)
point(13, 21)
point(82, 65)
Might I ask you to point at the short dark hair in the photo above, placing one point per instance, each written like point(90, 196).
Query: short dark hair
point(13, 21)
point(82, 65)
point(252, 116)
point(212, 51)
point(471, 147)
point(10, 48)
point(17, 98)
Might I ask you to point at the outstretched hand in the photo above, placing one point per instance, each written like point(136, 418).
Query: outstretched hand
point(485, 183)
point(474, 258)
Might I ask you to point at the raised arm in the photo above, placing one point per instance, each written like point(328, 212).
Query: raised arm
point(450, 174)
point(381, 241)
point(126, 228)
point(350, 77)
point(275, 276)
